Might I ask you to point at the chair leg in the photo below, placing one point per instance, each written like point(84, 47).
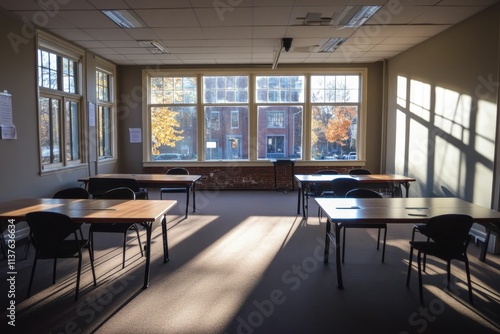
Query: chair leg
point(420, 288)
point(54, 272)
point(32, 275)
point(139, 239)
point(124, 248)
point(78, 276)
point(383, 245)
point(448, 274)
point(409, 267)
point(378, 239)
point(467, 271)
point(92, 265)
point(343, 244)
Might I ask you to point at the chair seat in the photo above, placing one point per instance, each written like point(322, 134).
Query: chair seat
point(435, 249)
point(64, 250)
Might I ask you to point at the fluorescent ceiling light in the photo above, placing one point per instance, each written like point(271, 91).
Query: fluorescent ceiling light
point(154, 46)
point(355, 16)
point(124, 18)
point(332, 44)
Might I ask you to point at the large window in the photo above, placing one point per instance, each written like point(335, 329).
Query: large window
point(335, 106)
point(225, 104)
point(59, 106)
point(104, 108)
point(280, 104)
point(253, 116)
point(172, 115)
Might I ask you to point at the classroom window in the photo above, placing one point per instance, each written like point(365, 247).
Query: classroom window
point(173, 119)
point(59, 106)
point(220, 112)
point(334, 121)
point(225, 105)
point(104, 117)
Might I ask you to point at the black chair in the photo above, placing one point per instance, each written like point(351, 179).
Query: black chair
point(177, 188)
point(73, 193)
point(338, 187)
point(49, 232)
point(365, 193)
point(97, 186)
point(117, 193)
point(359, 171)
point(449, 236)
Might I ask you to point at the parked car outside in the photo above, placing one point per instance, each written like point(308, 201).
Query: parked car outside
point(167, 156)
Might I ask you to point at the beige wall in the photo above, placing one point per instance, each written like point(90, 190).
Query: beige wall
point(19, 159)
point(442, 111)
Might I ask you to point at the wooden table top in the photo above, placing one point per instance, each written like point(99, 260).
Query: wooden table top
point(90, 210)
point(402, 210)
point(149, 178)
point(370, 178)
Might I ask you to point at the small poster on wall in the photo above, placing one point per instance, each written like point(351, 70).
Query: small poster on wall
point(7, 127)
point(135, 135)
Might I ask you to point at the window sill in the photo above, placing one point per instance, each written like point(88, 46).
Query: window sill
point(62, 169)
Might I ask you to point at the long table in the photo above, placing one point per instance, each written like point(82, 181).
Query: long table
point(305, 180)
point(157, 181)
point(150, 213)
point(343, 211)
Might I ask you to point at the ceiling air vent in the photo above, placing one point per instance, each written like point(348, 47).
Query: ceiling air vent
point(315, 19)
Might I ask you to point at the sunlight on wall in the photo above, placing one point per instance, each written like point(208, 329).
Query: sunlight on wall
point(445, 138)
point(485, 129)
point(449, 168)
point(483, 179)
point(418, 153)
point(400, 149)
point(420, 99)
point(452, 113)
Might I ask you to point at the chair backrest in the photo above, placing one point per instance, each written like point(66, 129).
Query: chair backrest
point(48, 230)
point(363, 193)
point(99, 185)
point(359, 171)
point(119, 193)
point(328, 172)
point(342, 185)
point(450, 230)
point(178, 171)
point(72, 193)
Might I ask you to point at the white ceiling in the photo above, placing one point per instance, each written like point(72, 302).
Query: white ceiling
point(211, 32)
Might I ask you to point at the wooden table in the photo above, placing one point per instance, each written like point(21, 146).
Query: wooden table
point(342, 211)
point(156, 181)
point(305, 180)
point(150, 213)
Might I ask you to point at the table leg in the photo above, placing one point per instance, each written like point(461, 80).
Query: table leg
point(149, 229)
point(194, 196)
point(298, 198)
point(165, 240)
point(340, 284)
point(407, 188)
point(334, 237)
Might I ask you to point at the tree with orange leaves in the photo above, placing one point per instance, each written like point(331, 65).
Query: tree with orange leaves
point(339, 126)
point(164, 128)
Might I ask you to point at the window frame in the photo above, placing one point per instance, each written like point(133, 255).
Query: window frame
point(252, 73)
point(109, 69)
point(63, 50)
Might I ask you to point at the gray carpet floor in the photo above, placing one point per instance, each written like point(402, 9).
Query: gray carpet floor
point(245, 262)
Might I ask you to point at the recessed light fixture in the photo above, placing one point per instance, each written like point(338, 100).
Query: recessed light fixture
point(355, 16)
point(124, 18)
point(154, 46)
point(332, 44)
